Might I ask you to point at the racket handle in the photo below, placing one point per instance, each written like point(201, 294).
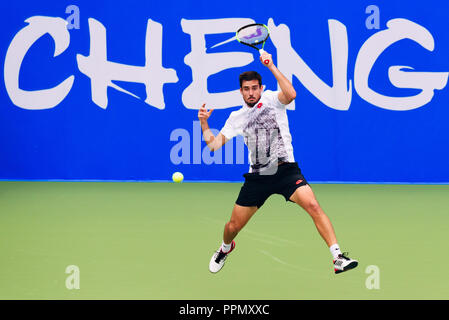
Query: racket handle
point(266, 61)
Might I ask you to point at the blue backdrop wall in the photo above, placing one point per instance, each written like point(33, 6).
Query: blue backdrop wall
point(109, 90)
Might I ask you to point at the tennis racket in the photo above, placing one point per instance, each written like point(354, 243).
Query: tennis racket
point(254, 35)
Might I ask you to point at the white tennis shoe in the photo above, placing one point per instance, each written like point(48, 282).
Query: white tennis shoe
point(344, 263)
point(218, 259)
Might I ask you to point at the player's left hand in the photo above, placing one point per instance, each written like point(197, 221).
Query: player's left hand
point(203, 114)
point(264, 57)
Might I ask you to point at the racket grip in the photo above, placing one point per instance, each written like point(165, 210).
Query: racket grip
point(262, 51)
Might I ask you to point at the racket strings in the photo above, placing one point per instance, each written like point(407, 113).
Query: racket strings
point(252, 35)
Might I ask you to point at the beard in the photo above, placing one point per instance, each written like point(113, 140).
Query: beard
point(252, 104)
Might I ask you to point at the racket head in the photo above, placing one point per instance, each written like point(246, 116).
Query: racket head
point(253, 34)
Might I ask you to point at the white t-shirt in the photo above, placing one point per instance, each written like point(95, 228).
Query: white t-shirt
point(265, 130)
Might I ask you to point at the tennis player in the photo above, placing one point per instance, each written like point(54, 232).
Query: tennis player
point(263, 123)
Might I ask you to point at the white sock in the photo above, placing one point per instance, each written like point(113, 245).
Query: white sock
point(335, 250)
point(226, 247)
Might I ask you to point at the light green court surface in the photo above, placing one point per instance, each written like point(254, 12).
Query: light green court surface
point(155, 240)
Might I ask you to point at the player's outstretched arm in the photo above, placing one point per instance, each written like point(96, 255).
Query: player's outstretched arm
point(214, 143)
point(288, 93)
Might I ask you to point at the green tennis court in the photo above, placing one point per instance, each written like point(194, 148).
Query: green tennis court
point(154, 241)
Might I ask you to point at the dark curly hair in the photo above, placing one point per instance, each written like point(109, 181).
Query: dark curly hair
point(250, 75)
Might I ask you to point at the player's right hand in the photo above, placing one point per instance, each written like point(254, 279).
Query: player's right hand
point(266, 59)
point(203, 114)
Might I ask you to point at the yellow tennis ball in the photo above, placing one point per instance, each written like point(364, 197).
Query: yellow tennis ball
point(177, 177)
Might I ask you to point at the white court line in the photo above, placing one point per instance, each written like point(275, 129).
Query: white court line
point(213, 220)
point(273, 237)
point(276, 259)
point(263, 235)
point(284, 263)
point(260, 240)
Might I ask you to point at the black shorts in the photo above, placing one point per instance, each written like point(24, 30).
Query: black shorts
point(257, 188)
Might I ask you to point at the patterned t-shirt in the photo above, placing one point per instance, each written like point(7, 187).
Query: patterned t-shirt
point(265, 130)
